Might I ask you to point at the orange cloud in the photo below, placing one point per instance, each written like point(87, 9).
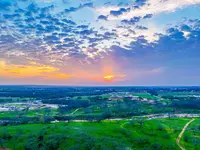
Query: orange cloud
point(59, 76)
point(51, 73)
point(31, 70)
point(111, 78)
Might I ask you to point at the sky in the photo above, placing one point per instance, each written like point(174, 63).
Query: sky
point(100, 42)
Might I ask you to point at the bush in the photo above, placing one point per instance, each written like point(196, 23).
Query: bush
point(156, 146)
point(198, 127)
point(5, 135)
point(53, 141)
point(160, 128)
point(166, 136)
point(195, 142)
point(1, 142)
point(142, 141)
point(171, 147)
point(132, 122)
point(186, 138)
point(125, 132)
point(31, 144)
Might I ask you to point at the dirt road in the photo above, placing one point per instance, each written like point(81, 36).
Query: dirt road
point(181, 134)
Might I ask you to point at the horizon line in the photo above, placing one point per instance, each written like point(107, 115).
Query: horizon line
point(57, 85)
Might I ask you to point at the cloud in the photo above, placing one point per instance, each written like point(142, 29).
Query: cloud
point(55, 37)
point(174, 42)
point(115, 13)
point(132, 21)
point(141, 7)
point(58, 76)
point(74, 9)
point(147, 16)
point(4, 5)
point(21, 71)
point(141, 28)
point(102, 17)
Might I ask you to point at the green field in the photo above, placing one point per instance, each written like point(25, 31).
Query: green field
point(154, 134)
point(191, 137)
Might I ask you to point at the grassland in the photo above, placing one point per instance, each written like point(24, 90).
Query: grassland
point(191, 137)
point(154, 134)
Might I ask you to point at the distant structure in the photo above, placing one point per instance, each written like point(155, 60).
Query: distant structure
point(116, 98)
point(119, 97)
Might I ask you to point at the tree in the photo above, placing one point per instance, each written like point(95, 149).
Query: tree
point(106, 114)
point(160, 128)
point(31, 144)
point(186, 138)
point(47, 111)
point(6, 135)
point(195, 142)
point(53, 141)
point(140, 121)
point(1, 142)
point(169, 115)
point(132, 122)
point(156, 146)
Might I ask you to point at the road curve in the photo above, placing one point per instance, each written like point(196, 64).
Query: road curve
point(181, 134)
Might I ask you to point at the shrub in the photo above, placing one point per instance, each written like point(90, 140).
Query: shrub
point(132, 122)
point(125, 132)
point(31, 144)
point(156, 146)
point(195, 142)
point(186, 138)
point(53, 141)
point(166, 136)
point(143, 141)
point(6, 135)
point(160, 128)
point(1, 142)
point(171, 147)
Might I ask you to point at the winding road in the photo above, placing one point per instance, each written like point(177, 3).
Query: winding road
point(181, 134)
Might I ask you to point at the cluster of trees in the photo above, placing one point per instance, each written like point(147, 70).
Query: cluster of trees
point(4, 136)
point(44, 141)
point(26, 120)
point(47, 92)
point(186, 103)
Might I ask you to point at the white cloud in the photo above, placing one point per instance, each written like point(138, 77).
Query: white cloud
point(152, 7)
point(15, 53)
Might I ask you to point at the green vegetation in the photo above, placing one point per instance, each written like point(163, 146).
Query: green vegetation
point(26, 114)
point(153, 134)
point(191, 137)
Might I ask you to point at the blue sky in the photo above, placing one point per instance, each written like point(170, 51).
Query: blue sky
point(93, 42)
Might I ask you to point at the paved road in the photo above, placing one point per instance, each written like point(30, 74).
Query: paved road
point(147, 117)
point(181, 134)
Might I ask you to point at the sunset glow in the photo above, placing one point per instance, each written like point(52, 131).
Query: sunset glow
point(99, 42)
point(69, 68)
point(10, 70)
point(108, 77)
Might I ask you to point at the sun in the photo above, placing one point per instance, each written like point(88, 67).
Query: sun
point(108, 78)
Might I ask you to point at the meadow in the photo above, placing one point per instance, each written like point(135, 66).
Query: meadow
point(152, 134)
